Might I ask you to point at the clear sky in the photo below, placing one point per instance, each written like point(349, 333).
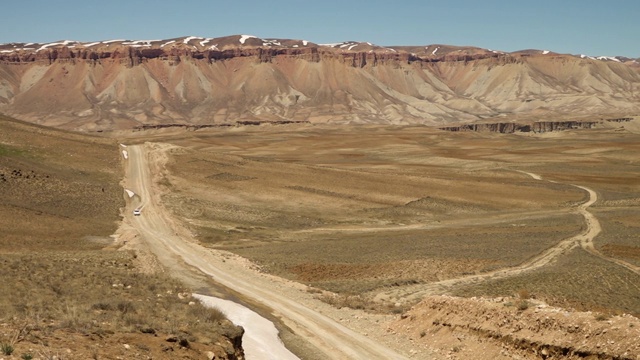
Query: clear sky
point(591, 27)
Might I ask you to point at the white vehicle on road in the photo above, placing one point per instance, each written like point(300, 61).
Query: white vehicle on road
point(137, 212)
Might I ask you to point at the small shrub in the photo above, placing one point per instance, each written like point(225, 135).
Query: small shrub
point(207, 315)
point(26, 356)
point(523, 305)
point(601, 317)
point(102, 306)
point(355, 302)
point(7, 349)
point(524, 294)
point(126, 307)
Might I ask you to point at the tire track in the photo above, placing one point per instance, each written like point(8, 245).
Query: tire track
point(583, 240)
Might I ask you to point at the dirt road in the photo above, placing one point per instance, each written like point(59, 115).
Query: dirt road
point(171, 244)
point(584, 239)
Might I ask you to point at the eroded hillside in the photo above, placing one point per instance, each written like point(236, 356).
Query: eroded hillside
point(124, 84)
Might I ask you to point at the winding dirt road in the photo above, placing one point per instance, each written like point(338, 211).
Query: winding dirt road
point(583, 239)
point(174, 252)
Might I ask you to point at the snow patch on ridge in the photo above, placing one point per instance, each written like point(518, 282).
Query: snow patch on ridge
point(167, 43)
point(435, 51)
point(270, 42)
point(610, 58)
point(64, 43)
point(139, 43)
point(545, 52)
point(244, 38)
point(189, 38)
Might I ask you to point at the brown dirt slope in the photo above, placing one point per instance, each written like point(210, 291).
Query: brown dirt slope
point(65, 292)
point(516, 328)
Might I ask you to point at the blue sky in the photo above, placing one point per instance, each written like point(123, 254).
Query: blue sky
point(578, 27)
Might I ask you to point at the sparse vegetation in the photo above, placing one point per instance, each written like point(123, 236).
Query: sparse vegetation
point(62, 279)
point(6, 348)
point(9, 151)
point(579, 280)
point(355, 302)
point(120, 299)
point(336, 224)
point(523, 305)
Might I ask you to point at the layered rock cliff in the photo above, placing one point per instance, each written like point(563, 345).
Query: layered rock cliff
point(212, 81)
point(535, 127)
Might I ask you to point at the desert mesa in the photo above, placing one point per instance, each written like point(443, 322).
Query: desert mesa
point(123, 84)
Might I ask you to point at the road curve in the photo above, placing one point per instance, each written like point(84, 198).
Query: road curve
point(155, 226)
point(583, 239)
point(593, 225)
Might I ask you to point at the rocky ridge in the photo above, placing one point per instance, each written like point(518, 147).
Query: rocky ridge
point(117, 84)
point(534, 126)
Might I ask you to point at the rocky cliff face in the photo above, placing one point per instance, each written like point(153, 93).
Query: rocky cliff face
point(535, 127)
point(206, 81)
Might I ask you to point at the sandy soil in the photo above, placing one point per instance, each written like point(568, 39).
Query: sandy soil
point(513, 328)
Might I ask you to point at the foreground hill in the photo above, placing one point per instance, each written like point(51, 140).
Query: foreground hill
point(123, 84)
point(66, 292)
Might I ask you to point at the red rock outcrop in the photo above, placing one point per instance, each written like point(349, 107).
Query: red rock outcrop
point(127, 84)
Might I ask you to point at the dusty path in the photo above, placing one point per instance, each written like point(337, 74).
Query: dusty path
point(173, 251)
point(592, 222)
point(583, 239)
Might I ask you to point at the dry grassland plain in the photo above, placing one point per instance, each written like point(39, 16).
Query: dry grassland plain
point(65, 291)
point(361, 210)
point(354, 211)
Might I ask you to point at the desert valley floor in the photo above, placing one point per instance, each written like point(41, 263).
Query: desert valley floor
point(375, 218)
point(377, 227)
